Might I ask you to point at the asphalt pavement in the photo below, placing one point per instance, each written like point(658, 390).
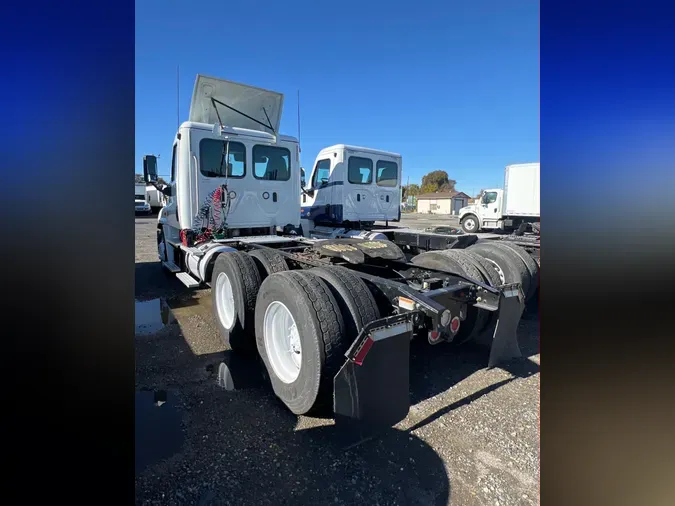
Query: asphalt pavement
point(471, 437)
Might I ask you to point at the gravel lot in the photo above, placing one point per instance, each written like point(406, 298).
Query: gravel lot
point(471, 437)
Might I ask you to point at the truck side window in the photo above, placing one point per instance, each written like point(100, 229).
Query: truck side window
point(387, 173)
point(321, 173)
point(360, 170)
point(271, 163)
point(490, 198)
point(173, 163)
point(210, 154)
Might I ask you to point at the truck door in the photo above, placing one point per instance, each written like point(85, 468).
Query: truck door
point(277, 192)
point(360, 190)
point(490, 206)
point(387, 192)
point(171, 208)
point(208, 174)
point(318, 205)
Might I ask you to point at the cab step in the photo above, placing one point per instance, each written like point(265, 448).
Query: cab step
point(187, 280)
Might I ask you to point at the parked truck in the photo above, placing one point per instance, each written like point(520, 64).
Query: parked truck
point(350, 188)
point(514, 207)
point(141, 204)
point(156, 199)
point(331, 319)
point(140, 192)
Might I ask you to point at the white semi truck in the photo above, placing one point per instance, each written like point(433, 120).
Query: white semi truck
point(514, 207)
point(331, 319)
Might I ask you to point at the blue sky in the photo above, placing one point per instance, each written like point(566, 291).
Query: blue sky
point(449, 85)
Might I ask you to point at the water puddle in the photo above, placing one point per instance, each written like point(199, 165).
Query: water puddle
point(238, 372)
point(152, 316)
point(158, 433)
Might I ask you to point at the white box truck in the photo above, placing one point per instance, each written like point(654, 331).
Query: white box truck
point(514, 207)
point(141, 200)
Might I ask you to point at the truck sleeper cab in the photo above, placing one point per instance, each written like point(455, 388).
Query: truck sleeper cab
point(351, 184)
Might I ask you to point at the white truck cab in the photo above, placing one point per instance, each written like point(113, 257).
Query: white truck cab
point(259, 168)
point(231, 172)
point(351, 184)
point(485, 214)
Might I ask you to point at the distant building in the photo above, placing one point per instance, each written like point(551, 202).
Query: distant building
point(442, 202)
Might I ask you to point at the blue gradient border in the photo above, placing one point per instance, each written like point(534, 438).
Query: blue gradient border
point(67, 154)
point(608, 173)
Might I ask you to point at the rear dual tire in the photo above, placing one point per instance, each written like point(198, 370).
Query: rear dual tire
point(235, 282)
point(320, 311)
point(268, 262)
point(512, 263)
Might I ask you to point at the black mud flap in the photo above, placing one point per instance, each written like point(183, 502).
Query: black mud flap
point(505, 339)
point(371, 391)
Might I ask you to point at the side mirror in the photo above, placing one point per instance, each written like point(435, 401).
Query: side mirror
point(150, 168)
point(166, 191)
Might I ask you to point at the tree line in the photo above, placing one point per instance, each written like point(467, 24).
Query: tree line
point(434, 182)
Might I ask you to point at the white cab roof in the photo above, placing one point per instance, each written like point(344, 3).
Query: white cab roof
point(256, 103)
point(358, 148)
point(240, 131)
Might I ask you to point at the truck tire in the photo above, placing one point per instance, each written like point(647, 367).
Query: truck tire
point(510, 266)
point(436, 260)
point(476, 319)
point(300, 335)
point(486, 268)
point(529, 262)
point(235, 283)
point(357, 305)
point(470, 224)
point(268, 262)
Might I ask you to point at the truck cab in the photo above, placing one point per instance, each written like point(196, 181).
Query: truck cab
point(485, 214)
point(231, 172)
point(352, 185)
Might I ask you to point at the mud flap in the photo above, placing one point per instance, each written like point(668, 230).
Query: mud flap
point(371, 391)
point(505, 340)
